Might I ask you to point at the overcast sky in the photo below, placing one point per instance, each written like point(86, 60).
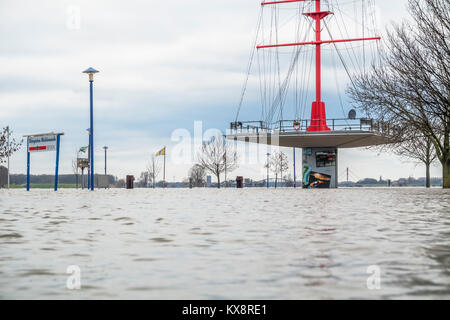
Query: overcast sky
point(163, 65)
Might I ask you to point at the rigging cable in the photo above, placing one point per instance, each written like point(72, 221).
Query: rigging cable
point(338, 89)
point(281, 96)
point(363, 12)
point(249, 66)
point(356, 66)
point(340, 56)
point(308, 83)
point(278, 60)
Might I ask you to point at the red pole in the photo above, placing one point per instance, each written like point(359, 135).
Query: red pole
point(318, 69)
point(318, 114)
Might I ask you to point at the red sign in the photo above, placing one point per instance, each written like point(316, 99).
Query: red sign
point(38, 148)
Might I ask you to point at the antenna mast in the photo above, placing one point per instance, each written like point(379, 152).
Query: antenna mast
point(318, 113)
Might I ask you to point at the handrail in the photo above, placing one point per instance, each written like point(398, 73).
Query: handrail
point(301, 125)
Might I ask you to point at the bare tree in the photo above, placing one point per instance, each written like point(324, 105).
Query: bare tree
point(144, 179)
point(412, 88)
point(419, 148)
point(75, 171)
point(217, 156)
point(197, 174)
point(278, 163)
point(8, 145)
point(153, 169)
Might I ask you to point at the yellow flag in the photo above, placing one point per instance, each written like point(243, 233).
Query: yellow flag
point(161, 152)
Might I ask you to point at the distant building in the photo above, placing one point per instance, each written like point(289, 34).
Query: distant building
point(208, 181)
point(3, 176)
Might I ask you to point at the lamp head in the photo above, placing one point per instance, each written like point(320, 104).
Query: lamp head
point(90, 72)
point(105, 147)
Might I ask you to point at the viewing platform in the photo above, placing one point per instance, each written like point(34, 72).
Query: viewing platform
point(343, 133)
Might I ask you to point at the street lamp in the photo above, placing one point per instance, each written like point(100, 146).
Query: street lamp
point(268, 154)
point(91, 72)
point(105, 148)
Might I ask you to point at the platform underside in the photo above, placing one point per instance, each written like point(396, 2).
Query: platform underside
point(338, 139)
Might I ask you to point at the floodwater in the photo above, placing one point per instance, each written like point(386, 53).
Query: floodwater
point(225, 244)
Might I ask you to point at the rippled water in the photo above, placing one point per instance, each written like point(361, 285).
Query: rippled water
point(225, 244)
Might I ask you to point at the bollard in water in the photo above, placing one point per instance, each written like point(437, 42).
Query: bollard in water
point(239, 182)
point(130, 182)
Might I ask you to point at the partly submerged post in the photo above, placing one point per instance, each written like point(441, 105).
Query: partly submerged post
point(162, 152)
point(295, 179)
point(164, 173)
point(58, 139)
point(89, 160)
point(268, 154)
point(28, 165)
point(8, 154)
point(106, 149)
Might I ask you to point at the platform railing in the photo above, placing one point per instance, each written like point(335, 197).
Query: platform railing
point(293, 126)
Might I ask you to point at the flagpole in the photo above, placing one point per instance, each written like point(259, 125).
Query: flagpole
point(164, 171)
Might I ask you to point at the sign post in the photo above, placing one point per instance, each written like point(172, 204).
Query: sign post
point(58, 139)
point(42, 143)
point(28, 166)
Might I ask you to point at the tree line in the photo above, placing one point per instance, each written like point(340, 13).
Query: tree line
point(21, 179)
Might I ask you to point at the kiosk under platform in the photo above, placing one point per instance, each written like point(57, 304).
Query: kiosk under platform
point(320, 168)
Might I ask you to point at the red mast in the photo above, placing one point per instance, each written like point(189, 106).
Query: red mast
point(318, 114)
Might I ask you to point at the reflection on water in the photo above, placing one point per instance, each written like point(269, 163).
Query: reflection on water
point(221, 244)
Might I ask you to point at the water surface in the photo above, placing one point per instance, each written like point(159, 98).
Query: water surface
point(225, 244)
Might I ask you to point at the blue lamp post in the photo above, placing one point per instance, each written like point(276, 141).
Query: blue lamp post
point(89, 159)
point(105, 148)
point(268, 155)
point(91, 72)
